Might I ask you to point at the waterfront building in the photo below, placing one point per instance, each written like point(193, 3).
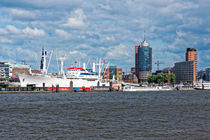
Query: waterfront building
point(207, 74)
point(16, 71)
point(143, 61)
point(192, 55)
point(4, 70)
point(36, 71)
point(201, 75)
point(112, 71)
point(10, 70)
point(130, 76)
point(184, 72)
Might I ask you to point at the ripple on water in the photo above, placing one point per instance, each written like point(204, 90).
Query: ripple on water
point(114, 115)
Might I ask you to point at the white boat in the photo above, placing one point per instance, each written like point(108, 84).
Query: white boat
point(138, 88)
point(75, 78)
point(202, 85)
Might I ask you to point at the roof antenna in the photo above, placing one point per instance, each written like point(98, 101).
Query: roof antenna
point(144, 34)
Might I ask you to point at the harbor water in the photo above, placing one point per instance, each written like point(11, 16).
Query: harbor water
point(110, 115)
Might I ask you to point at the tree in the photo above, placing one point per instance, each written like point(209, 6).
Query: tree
point(172, 78)
point(117, 77)
point(161, 78)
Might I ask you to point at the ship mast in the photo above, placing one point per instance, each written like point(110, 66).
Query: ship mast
point(99, 68)
point(62, 71)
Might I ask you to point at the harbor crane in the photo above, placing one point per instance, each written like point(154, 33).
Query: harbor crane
point(158, 64)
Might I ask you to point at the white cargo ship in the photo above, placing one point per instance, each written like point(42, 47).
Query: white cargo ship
point(75, 78)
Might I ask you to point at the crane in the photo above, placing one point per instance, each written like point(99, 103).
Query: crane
point(158, 64)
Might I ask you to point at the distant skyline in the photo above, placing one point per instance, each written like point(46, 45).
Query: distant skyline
point(108, 29)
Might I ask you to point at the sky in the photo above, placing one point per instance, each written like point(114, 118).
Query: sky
point(83, 30)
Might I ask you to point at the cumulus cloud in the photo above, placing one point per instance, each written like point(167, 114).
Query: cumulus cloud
point(3, 31)
point(27, 31)
point(77, 54)
point(118, 52)
point(5, 40)
point(20, 13)
point(33, 32)
point(61, 33)
point(13, 29)
point(107, 28)
point(76, 20)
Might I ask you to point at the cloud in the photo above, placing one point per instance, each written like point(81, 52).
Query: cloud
point(13, 29)
point(61, 33)
point(5, 40)
point(3, 32)
point(27, 31)
point(33, 32)
point(76, 20)
point(118, 52)
point(77, 54)
point(108, 29)
point(20, 13)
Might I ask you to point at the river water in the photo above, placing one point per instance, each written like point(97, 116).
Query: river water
point(110, 115)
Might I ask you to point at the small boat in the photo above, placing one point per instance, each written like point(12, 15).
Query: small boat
point(202, 85)
point(138, 88)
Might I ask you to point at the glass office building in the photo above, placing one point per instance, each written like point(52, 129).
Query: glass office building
point(143, 62)
point(144, 58)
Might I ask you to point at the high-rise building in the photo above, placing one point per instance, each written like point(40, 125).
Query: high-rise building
point(192, 55)
point(184, 72)
point(143, 61)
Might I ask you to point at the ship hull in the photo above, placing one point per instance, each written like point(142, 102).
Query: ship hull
point(63, 84)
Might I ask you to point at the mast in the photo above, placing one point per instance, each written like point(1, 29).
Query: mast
point(62, 71)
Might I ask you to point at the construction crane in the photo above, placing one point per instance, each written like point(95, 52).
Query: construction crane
point(158, 64)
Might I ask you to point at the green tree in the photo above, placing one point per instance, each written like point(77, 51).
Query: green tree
point(5, 79)
point(172, 78)
point(117, 77)
point(161, 78)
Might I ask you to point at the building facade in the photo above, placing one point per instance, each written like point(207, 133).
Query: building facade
point(184, 72)
point(192, 55)
point(4, 70)
point(207, 74)
point(143, 61)
point(11, 70)
point(113, 71)
point(17, 71)
point(130, 76)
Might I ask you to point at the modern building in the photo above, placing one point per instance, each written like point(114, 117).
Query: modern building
point(201, 75)
point(143, 61)
point(10, 70)
point(112, 71)
point(192, 55)
point(184, 72)
point(207, 74)
point(4, 70)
